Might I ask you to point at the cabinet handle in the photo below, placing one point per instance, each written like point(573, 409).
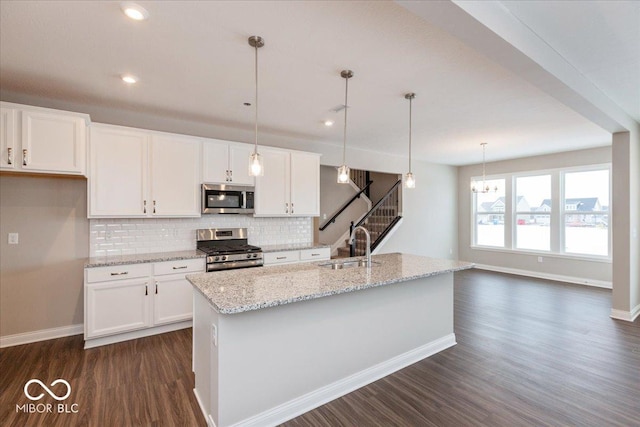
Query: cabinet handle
point(180, 268)
point(315, 254)
point(144, 209)
point(156, 288)
point(154, 206)
point(286, 208)
point(9, 155)
point(291, 207)
point(24, 157)
point(146, 289)
point(231, 175)
point(122, 273)
point(227, 175)
point(281, 257)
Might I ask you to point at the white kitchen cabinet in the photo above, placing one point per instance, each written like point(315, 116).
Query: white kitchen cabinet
point(290, 185)
point(225, 162)
point(134, 300)
point(42, 140)
point(173, 294)
point(8, 137)
point(138, 173)
point(118, 172)
point(175, 175)
point(295, 256)
point(117, 299)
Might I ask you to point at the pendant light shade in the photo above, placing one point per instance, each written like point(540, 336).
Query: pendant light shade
point(484, 188)
point(409, 179)
point(343, 171)
point(256, 167)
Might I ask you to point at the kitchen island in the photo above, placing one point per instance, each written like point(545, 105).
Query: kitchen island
point(271, 343)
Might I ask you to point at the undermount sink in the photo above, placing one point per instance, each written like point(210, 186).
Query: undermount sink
point(339, 265)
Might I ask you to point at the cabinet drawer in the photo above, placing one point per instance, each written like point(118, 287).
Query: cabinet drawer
point(317, 254)
point(179, 266)
point(118, 272)
point(281, 257)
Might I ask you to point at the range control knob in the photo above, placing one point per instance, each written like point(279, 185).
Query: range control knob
point(248, 255)
point(224, 258)
point(255, 255)
point(217, 258)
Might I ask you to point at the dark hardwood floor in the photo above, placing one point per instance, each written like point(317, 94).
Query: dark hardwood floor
point(529, 353)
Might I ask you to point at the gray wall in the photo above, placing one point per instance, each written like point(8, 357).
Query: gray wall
point(382, 182)
point(596, 271)
point(41, 278)
point(332, 197)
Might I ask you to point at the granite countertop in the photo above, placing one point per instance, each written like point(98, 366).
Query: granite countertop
point(106, 261)
point(292, 247)
point(236, 291)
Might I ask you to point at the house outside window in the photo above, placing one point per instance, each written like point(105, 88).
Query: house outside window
point(533, 212)
point(489, 215)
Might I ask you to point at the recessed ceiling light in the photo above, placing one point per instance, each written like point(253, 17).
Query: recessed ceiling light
point(134, 11)
point(328, 122)
point(128, 78)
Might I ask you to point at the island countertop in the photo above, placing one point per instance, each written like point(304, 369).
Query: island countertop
point(237, 291)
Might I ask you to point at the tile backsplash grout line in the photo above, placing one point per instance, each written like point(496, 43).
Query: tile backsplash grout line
point(123, 236)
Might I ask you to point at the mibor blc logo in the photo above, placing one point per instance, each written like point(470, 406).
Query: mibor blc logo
point(40, 408)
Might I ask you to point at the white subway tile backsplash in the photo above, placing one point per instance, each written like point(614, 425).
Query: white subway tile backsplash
point(139, 236)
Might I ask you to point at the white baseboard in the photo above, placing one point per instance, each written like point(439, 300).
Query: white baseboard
point(629, 316)
point(41, 335)
point(548, 276)
point(207, 417)
point(309, 401)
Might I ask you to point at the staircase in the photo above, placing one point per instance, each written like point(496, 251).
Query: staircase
point(376, 224)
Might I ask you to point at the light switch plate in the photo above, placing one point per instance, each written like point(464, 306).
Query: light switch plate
point(13, 239)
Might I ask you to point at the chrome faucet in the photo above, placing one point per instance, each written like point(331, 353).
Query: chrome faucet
point(366, 232)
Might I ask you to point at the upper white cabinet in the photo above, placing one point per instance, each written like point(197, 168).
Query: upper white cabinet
point(138, 173)
point(175, 175)
point(290, 185)
point(118, 171)
point(42, 140)
point(226, 162)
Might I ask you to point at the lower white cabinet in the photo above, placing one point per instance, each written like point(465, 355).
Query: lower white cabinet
point(133, 300)
point(294, 256)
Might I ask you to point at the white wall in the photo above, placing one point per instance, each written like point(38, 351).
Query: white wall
point(594, 272)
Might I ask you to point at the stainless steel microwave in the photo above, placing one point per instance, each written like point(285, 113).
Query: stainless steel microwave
point(227, 199)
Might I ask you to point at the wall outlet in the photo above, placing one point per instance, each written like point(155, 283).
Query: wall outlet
point(214, 335)
point(540, 259)
point(13, 239)
point(324, 216)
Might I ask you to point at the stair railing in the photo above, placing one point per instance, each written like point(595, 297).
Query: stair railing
point(361, 178)
point(387, 209)
point(345, 206)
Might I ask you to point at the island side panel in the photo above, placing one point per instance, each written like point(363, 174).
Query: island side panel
point(205, 361)
point(273, 356)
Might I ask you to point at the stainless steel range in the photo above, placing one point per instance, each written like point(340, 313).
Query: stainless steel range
point(227, 248)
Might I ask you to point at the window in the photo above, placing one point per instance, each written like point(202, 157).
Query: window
point(586, 212)
point(563, 212)
point(489, 215)
point(533, 212)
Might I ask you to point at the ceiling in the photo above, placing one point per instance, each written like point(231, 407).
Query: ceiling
point(194, 63)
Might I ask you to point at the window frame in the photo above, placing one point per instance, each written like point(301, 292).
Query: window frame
point(557, 214)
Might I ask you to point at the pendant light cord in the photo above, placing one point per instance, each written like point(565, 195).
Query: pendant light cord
point(344, 139)
point(256, 144)
point(410, 114)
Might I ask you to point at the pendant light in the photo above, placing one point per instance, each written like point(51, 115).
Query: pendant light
point(409, 180)
point(343, 171)
point(485, 187)
point(256, 168)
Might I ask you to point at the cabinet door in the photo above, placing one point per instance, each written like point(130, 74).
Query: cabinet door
point(8, 138)
point(175, 176)
point(118, 178)
point(173, 299)
point(305, 184)
point(53, 142)
point(215, 161)
point(272, 189)
point(239, 164)
point(119, 306)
